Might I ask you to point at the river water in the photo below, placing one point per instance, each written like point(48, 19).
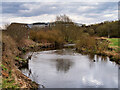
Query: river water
point(65, 68)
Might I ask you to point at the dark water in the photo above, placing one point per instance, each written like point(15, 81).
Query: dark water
point(67, 69)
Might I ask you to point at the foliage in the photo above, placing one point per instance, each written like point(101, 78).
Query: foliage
point(17, 31)
point(86, 43)
point(69, 29)
point(105, 29)
point(50, 36)
point(63, 30)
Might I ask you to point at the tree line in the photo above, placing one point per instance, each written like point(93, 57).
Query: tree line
point(66, 31)
point(108, 29)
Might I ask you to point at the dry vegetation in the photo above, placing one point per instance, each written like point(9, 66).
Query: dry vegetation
point(12, 76)
point(50, 36)
point(65, 31)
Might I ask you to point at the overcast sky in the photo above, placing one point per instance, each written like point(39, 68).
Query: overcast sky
point(80, 12)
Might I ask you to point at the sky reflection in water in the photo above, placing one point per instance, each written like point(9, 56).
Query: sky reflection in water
point(67, 69)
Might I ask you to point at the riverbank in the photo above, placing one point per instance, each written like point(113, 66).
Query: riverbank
point(109, 48)
point(21, 62)
point(12, 61)
point(66, 68)
point(12, 77)
point(113, 51)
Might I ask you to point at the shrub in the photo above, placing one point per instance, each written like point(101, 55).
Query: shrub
point(90, 44)
point(50, 36)
point(17, 31)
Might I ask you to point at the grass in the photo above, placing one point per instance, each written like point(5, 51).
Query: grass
point(9, 83)
point(115, 42)
point(19, 59)
point(3, 67)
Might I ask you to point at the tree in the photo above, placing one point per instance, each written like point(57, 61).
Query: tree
point(65, 25)
point(91, 31)
point(63, 18)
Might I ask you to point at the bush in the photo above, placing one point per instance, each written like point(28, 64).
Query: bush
point(49, 36)
point(90, 44)
point(17, 31)
point(87, 43)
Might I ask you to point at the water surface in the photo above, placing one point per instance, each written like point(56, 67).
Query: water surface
point(66, 68)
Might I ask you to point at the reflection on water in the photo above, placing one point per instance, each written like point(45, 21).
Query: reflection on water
point(63, 65)
point(67, 69)
point(91, 56)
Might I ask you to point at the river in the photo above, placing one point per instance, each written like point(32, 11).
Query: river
point(65, 68)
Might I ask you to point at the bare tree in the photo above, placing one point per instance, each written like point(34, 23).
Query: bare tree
point(63, 18)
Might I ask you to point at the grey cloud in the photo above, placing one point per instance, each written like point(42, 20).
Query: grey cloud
point(85, 9)
point(56, 8)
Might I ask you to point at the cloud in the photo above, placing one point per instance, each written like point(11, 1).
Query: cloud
point(45, 18)
point(82, 12)
point(11, 7)
point(61, 1)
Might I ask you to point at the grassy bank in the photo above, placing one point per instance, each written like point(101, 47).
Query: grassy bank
point(114, 41)
point(11, 75)
point(100, 46)
point(115, 44)
point(15, 43)
point(12, 61)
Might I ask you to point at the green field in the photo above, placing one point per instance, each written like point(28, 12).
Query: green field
point(114, 42)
